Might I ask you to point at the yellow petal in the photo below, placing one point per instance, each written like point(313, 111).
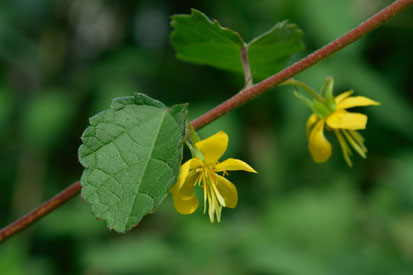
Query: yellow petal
point(343, 96)
point(183, 173)
point(310, 123)
point(195, 163)
point(233, 165)
point(228, 191)
point(356, 101)
point(346, 120)
point(185, 201)
point(214, 147)
point(185, 205)
point(319, 146)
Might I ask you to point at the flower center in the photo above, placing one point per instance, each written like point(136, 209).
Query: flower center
point(207, 180)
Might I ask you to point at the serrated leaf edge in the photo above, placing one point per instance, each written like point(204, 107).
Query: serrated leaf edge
point(156, 104)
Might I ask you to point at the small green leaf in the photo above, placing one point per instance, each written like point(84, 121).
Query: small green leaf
point(270, 52)
point(131, 154)
point(199, 40)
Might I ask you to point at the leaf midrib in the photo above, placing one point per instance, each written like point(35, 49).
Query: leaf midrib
point(146, 167)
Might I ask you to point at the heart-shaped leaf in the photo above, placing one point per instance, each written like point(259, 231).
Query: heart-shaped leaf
point(131, 154)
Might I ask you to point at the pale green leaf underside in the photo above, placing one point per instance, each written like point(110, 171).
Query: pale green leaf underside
point(199, 40)
point(131, 154)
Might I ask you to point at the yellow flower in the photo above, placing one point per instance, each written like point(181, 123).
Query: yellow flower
point(217, 190)
point(343, 123)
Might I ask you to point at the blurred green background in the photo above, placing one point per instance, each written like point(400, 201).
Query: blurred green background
point(63, 61)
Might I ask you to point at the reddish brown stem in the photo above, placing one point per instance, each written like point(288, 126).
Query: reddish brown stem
point(232, 103)
point(250, 93)
point(41, 211)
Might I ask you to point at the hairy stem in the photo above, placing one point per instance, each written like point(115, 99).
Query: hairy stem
point(234, 102)
point(41, 211)
point(248, 94)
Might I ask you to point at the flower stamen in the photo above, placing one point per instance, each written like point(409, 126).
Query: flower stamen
point(344, 147)
point(354, 144)
point(204, 173)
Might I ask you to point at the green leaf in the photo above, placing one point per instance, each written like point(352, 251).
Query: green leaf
point(131, 154)
point(199, 40)
point(270, 52)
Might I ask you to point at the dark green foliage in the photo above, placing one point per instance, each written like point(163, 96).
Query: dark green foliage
point(199, 40)
point(131, 154)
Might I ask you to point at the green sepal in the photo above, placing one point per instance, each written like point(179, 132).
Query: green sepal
point(327, 93)
point(194, 139)
point(321, 109)
point(194, 136)
point(307, 102)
